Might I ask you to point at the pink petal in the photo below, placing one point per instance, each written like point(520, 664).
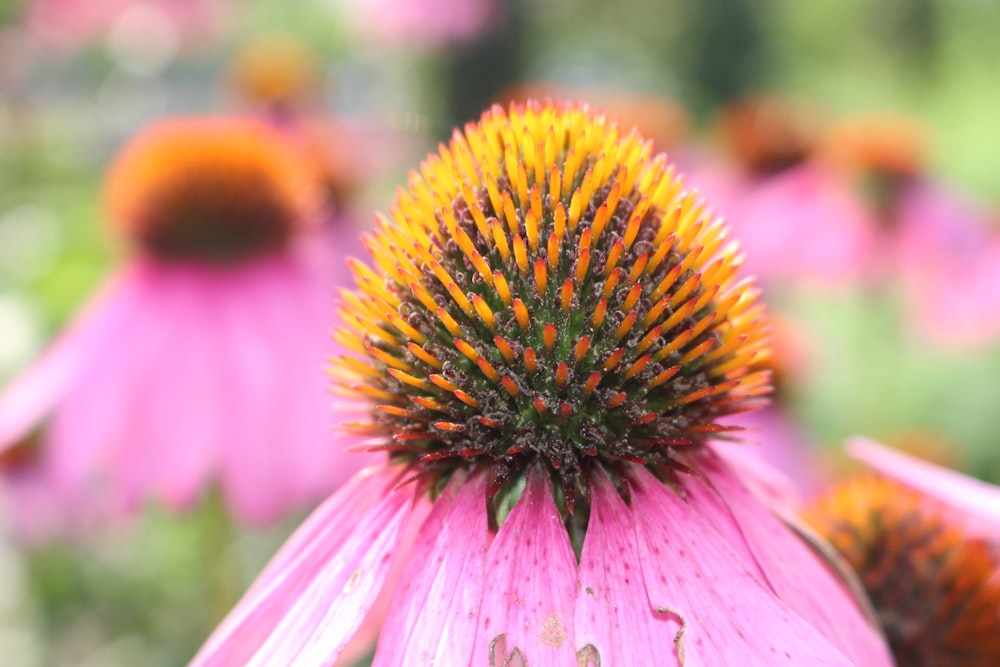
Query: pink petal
point(615, 622)
point(34, 394)
point(252, 453)
point(313, 465)
point(828, 237)
point(327, 613)
point(767, 484)
point(311, 598)
point(979, 500)
point(528, 609)
point(790, 567)
point(172, 436)
point(433, 615)
point(729, 617)
point(94, 429)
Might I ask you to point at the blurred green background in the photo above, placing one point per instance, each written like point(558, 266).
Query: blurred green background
point(148, 593)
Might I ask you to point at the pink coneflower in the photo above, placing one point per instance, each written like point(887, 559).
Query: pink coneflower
point(936, 590)
point(276, 70)
point(938, 244)
point(544, 345)
point(974, 502)
point(202, 357)
point(792, 215)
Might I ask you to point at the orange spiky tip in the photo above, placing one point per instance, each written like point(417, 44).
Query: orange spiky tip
point(545, 291)
point(659, 119)
point(769, 134)
point(274, 70)
point(935, 590)
point(217, 190)
point(889, 144)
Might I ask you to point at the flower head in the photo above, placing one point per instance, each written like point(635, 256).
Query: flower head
point(217, 190)
point(549, 296)
point(935, 589)
point(889, 144)
point(970, 501)
point(769, 134)
point(549, 335)
point(201, 359)
point(276, 71)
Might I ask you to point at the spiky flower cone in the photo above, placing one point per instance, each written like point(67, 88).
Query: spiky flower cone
point(547, 339)
point(935, 589)
point(548, 294)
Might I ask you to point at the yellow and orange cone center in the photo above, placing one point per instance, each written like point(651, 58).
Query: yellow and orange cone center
point(935, 589)
point(217, 190)
point(768, 135)
point(545, 291)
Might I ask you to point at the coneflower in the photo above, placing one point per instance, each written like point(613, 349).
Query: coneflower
point(936, 589)
point(794, 218)
point(544, 344)
point(202, 358)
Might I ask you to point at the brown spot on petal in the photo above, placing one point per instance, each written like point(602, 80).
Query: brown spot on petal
point(588, 656)
point(499, 656)
point(352, 582)
point(553, 631)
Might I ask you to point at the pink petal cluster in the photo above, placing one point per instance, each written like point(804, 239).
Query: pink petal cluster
point(697, 574)
point(175, 376)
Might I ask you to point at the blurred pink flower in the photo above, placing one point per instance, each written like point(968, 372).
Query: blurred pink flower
point(974, 502)
point(202, 358)
point(798, 225)
point(936, 243)
point(425, 24)
point(74, 23)
point(948, 263)
point(568, 521)
point(773, 435)
point(794, 217)
point(934, 587)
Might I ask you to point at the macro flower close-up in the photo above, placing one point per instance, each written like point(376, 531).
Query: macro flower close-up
point(544, 343)
point(499, 333)
point(166, 382)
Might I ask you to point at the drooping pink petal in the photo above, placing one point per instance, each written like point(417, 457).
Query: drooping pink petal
point(728, 616)
point(94, 432)
point(26, 402)
point(252, 457)
point(978, 501)
point(789, 566)
point(615, 622)
point(363, 642)
point(314, 465)
point(176, 419)
point(527, 610)
point(433, 616)
point(803, 224)
point(311, 598)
